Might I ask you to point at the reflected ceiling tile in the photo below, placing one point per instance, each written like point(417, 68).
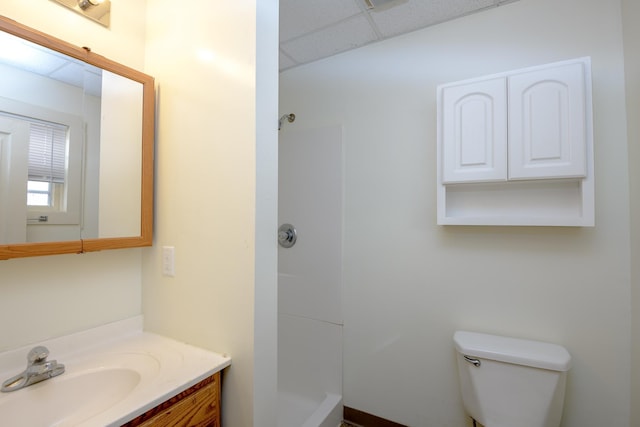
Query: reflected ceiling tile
point(33, 60)
point(345, 35)
point(93, 83)
point(304, 16)
point(415, 14)
point(71, 73)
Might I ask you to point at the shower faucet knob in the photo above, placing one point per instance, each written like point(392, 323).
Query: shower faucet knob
point(287, 235)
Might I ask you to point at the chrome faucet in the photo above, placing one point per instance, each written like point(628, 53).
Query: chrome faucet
point(38, 369)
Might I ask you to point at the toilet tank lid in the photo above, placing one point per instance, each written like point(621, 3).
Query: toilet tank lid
point(513, 350)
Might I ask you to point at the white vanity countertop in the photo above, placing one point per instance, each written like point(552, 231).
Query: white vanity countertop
point(141, 370)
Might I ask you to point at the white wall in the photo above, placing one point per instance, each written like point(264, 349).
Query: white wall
point(409, 284)
point(216, 188)
point(73, 292)
point(265, 379)
point(630, 18)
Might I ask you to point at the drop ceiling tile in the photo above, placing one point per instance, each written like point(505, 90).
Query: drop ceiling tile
point(345, 35)
point(310, 21)
point(298, 17)
point(286, 62)
point(414, 14)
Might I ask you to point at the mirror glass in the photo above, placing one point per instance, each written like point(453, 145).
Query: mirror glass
point(76, 141)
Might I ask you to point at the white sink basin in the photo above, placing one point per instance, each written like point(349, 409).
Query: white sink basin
point(87, 388)
point(108, 381)
point(66, 400)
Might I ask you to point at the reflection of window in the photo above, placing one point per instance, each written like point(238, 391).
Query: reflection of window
point(50, 166)
point(39, 193)
point(47, 165)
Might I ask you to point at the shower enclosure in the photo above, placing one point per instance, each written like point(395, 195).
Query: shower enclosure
point(310, 278)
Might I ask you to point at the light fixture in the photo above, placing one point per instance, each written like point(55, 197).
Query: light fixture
point(85, 4)
point(382, 4)
point(97, 10)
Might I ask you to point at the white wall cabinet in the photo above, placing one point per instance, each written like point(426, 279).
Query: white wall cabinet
point(474, 131)
point(547, 122)
point(517, 148)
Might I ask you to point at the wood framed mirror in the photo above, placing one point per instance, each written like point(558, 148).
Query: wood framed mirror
point(93, 119)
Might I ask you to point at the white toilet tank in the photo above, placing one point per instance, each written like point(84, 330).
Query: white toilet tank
point(510, 382)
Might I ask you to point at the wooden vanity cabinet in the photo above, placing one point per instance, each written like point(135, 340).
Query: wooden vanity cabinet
point(198, 406)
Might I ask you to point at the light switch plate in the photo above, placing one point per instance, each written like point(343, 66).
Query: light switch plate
point(169, 261)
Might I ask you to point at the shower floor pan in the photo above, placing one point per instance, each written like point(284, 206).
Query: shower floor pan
point(301, 411)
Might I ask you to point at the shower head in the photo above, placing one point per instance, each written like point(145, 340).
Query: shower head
point(289, 117)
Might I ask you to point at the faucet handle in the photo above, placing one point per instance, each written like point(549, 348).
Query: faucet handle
point(38, 354)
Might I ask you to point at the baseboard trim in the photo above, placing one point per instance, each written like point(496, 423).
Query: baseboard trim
point(362, 419)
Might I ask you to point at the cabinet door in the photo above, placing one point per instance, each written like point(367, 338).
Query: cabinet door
point(547, 123)
point(198, 406)
point(474, 131)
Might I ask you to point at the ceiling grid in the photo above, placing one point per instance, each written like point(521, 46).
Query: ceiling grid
point(314, 29)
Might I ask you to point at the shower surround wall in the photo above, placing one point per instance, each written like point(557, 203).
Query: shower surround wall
point(310, 278)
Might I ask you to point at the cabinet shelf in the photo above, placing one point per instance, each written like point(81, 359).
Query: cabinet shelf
point(524, 203)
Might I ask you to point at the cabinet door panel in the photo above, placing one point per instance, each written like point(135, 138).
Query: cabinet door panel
point(474, 138)
point(547, 123)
